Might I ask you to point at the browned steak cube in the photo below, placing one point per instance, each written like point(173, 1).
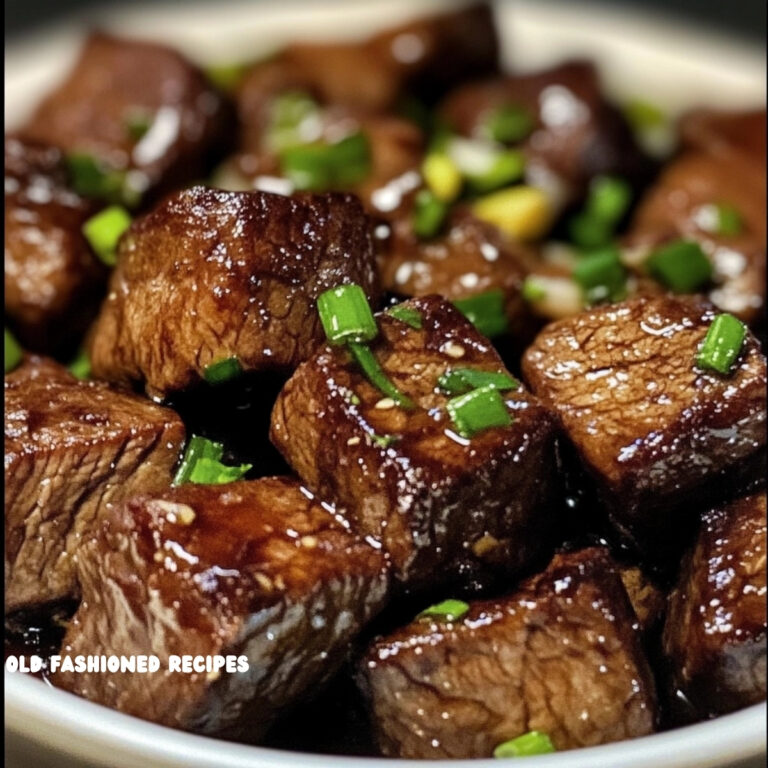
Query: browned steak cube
point(560, 655)
point(442, 506)
point(257, 570)
point(136, 106)
point(53, 281)
point(209, 275)
point(71, 448)
point(715, 630)
point(652, 427)
point(729, 135)
point(576, 134)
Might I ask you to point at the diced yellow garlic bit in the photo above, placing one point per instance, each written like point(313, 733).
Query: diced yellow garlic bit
point(521, 212)
point(442, 176)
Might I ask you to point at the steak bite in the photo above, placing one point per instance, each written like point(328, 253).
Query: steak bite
point(209, 275)
point(444, 507)
point(134, 106)
point(729, 135)
point(53, 281)
point(251, 569)
point(560, 655)
point(653, 428)
point(715, 631)
point(576, 134)
point(71, 448)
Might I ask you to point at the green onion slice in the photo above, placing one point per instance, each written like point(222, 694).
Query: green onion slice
point(457, 381)
point(609, 198)
point(532, 290)
point(602, 276)
point(681, 266)
point(80, 367)
point(429, 213)
point(222, 370)
point(104, 230)
point(507, 168)
point(588, 231)
point(721, 219)
point(375, 374)
point(93, 178)
point(13, 352)
point(290, 116)
point(137, 123)
point(527, 745)
point(643, 115)
point(486, 312)
point(478, 410)
point(211, 471)
point(406, 315)
point(722, 344)
point(226, 76)
point(346, 315)
point(509, 124)
point(448, 610)
point(383, 441)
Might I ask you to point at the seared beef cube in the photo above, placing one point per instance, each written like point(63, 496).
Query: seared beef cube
point(686, 202)
point(209, 275)
point(576, 135)
point(71, 448)
point(134, 106)
point(560, 655)
point(53, 281)
point(444, 507)
point(652, 427)
point(424, 57)
point(251, 569)
point(729, 135)
point(646, 597)
point(715, 631)
point(471, 258)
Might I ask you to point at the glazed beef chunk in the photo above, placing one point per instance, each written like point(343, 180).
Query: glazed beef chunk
point(53, 281)
point(726, 134)
point(560, 655)
point(137, 107)
point(251, 569)
point(71, 448)
point(209, 275)
point(653, 429)
point(576, 134)
point(444, 507)
point(715, 630)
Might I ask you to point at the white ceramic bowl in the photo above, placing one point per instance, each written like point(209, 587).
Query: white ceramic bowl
point(651, 57)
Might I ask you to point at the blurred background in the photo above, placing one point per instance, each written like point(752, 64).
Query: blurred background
point(745, 18)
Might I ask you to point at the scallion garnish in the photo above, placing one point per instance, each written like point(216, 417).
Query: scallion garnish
point(588, 231)
point(346, 315)
point(609, 198)
point(104, 230)
point(375, 374)
point(448, 610)
point(509, 124)
point(442, 176)
point(13, 352)
point(457, 381)
point(207, 454)
point(722, 344)
point(290, 113)
point(527, 745)
point(92, 177)
point(681, 266)
point(478, 410)
point(383, 441)
point(226, 77)
point(486, 312)
point(222, 370)
point(601, 276)
point(429, 213)
point(507, 168)
point(721, 219)
point(80, 367)
point(137, 123)
point(532, 290)
point(406, 315)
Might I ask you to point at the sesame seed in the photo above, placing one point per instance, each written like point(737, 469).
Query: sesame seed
point(353, 441)
point(452, 349)
point(264, 581)
point(310, 542)
point(385, 404)
point(213, 675)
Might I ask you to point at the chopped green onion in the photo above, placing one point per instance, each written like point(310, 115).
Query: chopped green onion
point(442, 176)
point(486, 312)
point(346, 315)
point(448, 610)
point(289, 113)
point(527, 745)
point(13, 352)
point(383, 441)
point(429, 213)
point(91, 177)
point(457, 381)
point(406, 315)
point(478, 410)
point(222, 370)
point(642, 115)
point(350, 159)
point(681, 266)
point(588, 231)
point(609, 198)
point(509, 124)
point(226, 77)
point(375, 374)
point(208, 454)
point(507, 168)
point(719, 219)
point(137, 123)
point(104, 230)
point(722, 344)
point(532, 290)
point(80, 367)
point(602, 276)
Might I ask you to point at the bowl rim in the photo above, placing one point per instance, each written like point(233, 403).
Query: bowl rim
point(38, 714)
